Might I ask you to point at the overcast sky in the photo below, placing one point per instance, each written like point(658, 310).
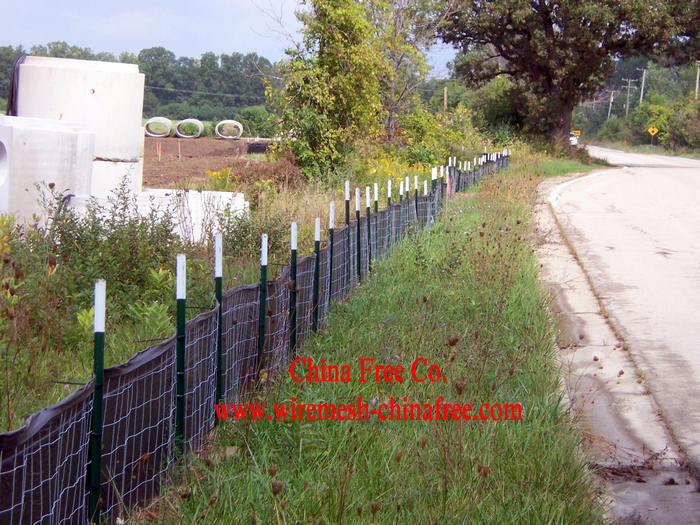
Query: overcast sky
point(187, 28)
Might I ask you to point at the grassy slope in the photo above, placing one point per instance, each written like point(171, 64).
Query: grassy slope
point(472, 277)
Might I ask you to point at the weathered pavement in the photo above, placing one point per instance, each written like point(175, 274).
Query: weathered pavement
point(625, 267)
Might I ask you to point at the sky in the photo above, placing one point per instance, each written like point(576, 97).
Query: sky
point(187, 28)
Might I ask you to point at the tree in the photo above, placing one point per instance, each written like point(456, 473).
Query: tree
point(405, 30)
point(330, 94)
point(559, 52)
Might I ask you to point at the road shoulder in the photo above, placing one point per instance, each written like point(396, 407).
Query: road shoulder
point(640, 466)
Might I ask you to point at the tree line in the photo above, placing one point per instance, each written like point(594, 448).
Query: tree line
point(212, 87)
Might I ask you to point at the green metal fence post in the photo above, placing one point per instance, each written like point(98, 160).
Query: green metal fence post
point(376, 198)
point(400, 234)
point(390, 217)
point(359, 235)
point(347, 236)
point(219, 292)
point(331, 227)
point(263, 304)
point(98, 371)
point(415, 186)
point(317, 274)
point(369, 232)
point(408, 196)
point(181, 298)
point(293, 294)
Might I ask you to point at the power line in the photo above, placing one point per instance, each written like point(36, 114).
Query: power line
point(194, 92)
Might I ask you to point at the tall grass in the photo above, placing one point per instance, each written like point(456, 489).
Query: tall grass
point(465, 296)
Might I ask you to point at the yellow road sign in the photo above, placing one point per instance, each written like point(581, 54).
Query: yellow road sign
point(653, 130)
point(576, 132)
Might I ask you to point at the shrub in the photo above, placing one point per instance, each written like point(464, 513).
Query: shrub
point(613, 130)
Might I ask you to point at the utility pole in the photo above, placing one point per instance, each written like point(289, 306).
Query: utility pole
point(612, 97)
point(629, 88)
point(697, 79)
point(444, 99)
point(644, 77)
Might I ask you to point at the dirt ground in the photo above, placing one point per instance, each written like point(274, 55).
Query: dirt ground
point(197, 156)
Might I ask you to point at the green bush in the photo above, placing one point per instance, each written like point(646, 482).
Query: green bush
point(613, 129)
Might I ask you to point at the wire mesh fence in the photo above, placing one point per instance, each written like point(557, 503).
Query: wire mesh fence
point(45, 466)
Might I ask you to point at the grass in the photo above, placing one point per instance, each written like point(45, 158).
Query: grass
point(464, 295)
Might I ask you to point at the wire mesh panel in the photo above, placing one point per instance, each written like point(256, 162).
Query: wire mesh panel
point(339, 271)
point(276, 349)
point(138, 425)
point(381, 234)
point(239, 339)
point(200, 378)
point(374, 225)
point(43, 465)
point(411, 212)
point(323, 281)
point(395, 218)
point(306, 267)
point(352, 257)
point(364, 245)
point(423, 210)
point(403, 225)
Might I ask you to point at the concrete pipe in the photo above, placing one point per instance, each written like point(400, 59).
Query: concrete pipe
point(159, 120)
point(198, 123)
point(234, 123)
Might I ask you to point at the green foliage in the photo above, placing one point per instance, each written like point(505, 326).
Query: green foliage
point(330, 99)
point(556, 62)
point(685, 129)
point(114, 243)
point(613, 129)
point(668, 104)
point(499, 108)
point(426, 138)
point(405, 32)
point(47, 275)
point(257, 122)
point(241, 234)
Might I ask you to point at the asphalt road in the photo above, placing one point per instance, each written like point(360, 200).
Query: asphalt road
point(637, 233)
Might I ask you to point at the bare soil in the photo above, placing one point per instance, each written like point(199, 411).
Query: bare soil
point(196, 157)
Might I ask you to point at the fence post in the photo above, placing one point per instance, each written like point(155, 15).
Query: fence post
point(376, 198)
point(369, 232)
point(442, 182)
point(359, 235)
point(331, 227)
point(263, 304)
point(347, 236)
point(426, 203)
point(293, 293)
point(96, 434)
point(218, 290)
point(390, 217)
point(408, 196)
point(400, 235)
point(317, 274)
point(181, 298)
point(415, 187)
point(433, 178)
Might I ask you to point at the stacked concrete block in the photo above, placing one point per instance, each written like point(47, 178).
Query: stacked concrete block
point(39, 150)
point(106, 96)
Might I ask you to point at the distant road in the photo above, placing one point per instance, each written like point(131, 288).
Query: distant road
point(637, 232)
